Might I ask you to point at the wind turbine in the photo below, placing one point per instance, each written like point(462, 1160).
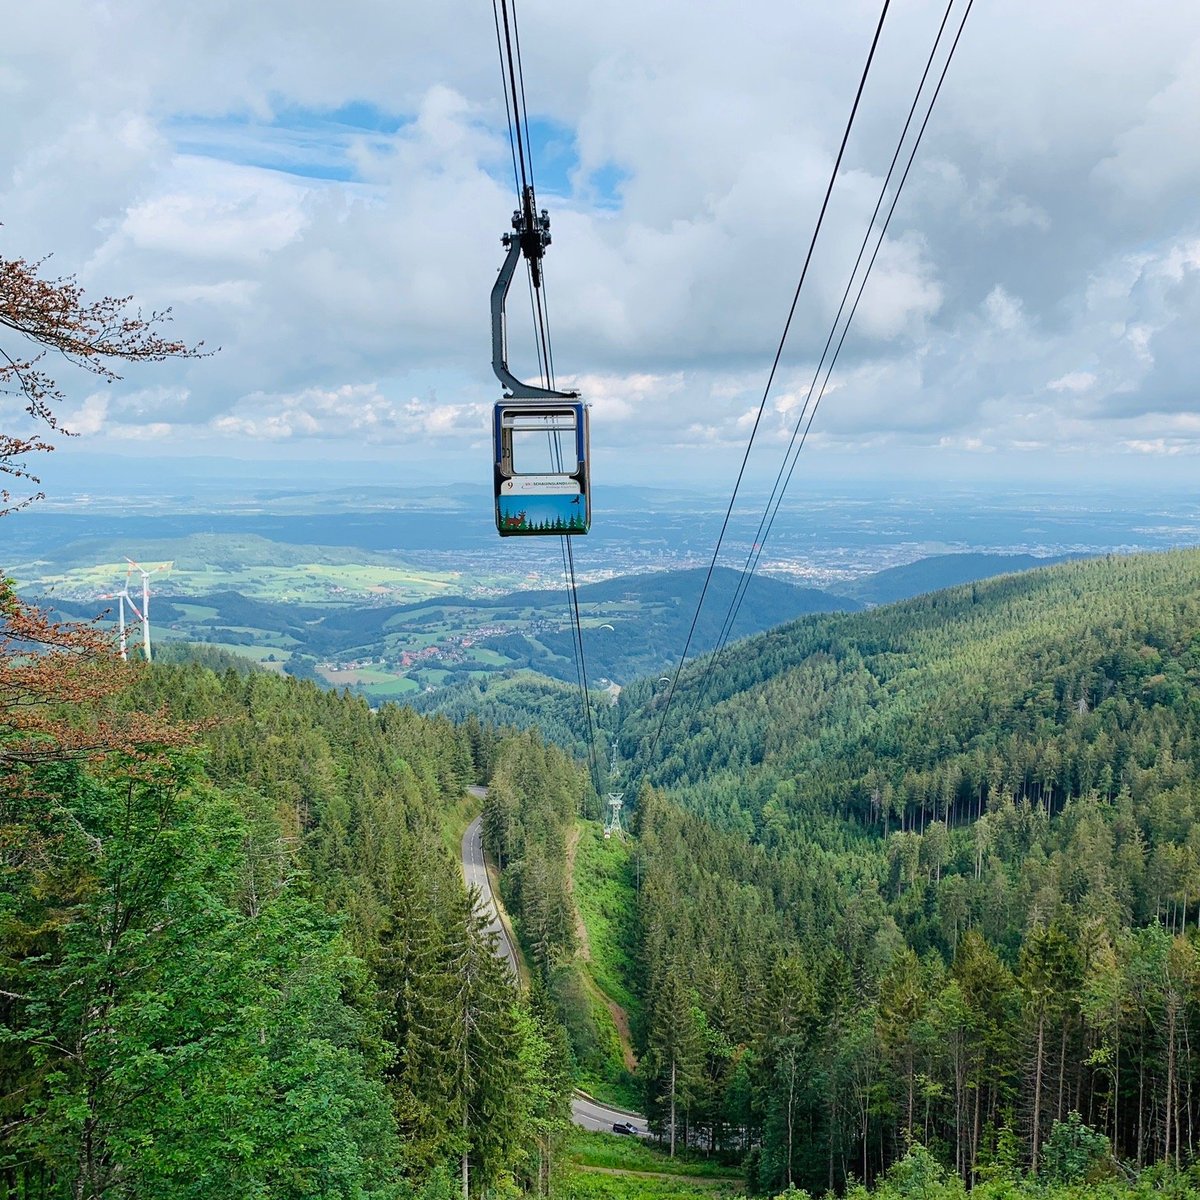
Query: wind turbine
point(120, 597)
point(144, 614)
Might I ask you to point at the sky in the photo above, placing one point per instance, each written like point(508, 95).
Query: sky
point(319, 190)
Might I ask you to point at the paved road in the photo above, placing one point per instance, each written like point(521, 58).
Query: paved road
point(595, 1116)
point(584, 1111)
point(475, 873)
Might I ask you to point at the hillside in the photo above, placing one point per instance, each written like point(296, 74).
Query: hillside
point(260, 976)
point(936, 572)
point(932, 869)
point(932, 684)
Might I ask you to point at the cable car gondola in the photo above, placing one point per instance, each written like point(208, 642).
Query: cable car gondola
point(539, 435)
point(541, 467)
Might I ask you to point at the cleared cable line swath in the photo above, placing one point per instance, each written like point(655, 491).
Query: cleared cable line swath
point(809, 408)
point(771, 376)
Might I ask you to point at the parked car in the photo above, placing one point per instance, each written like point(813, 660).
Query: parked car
point(625, 1127)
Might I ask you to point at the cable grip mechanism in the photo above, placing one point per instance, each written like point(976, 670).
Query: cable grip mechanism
point(530, 237)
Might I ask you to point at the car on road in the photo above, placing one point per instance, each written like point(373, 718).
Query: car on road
point(626, 1127)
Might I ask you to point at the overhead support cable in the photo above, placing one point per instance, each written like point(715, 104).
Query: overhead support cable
point(508, 109)
point(771, 376)
point(508, 61)
point(798, 438)
point(508, 42)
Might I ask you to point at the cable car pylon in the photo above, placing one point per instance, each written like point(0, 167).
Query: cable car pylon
point(614, 801)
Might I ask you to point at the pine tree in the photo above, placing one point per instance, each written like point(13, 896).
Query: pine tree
point(672, 1063)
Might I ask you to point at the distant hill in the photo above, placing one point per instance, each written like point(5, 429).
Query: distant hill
point(633, 625)
point(650, 616)
point(436, 651)
point(937, 572)
point(933, 691)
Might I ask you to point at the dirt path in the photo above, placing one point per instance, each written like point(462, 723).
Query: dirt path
point(619, 1016)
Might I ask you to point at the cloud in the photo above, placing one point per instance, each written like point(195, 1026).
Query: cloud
point(88, 419)
point(358, 413)
point(321, 189)
point(1073, 381)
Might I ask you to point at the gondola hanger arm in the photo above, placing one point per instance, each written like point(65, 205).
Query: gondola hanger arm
point(530, 236)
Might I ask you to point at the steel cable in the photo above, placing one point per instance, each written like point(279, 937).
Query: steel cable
point(771, 376)
point(783, 478)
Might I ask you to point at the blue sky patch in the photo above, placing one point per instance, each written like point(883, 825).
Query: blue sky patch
point(310, 143)
point(555, 152)
point(315, 143)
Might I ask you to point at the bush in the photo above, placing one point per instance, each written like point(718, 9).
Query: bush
point(793, 1193)
point(1074, 1152)
point(919, 1175)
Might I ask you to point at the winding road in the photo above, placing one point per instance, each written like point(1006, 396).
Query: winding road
point(585, 1111)
point(474, 870)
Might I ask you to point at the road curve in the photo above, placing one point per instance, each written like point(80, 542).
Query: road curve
point(591, 1114)
point(586, 1112)
point(475, 873)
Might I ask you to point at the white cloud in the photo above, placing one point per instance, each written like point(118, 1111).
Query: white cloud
point(1073, 381)
point(361, 414)
point(1040, 281)
point(88, 419)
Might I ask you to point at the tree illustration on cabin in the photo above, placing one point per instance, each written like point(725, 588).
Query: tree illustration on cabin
point(555, 513)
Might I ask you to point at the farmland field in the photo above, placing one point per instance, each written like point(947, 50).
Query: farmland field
point(398, 594)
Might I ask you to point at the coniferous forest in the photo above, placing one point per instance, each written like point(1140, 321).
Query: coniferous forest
point(235, 960)
point(913, 899)
point(932, 874)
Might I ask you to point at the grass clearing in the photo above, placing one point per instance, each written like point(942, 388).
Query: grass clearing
point(609, 1081)
point(586, 1184)
point(615, 1152)
point(491, 658)
point(353, 676)
point(392, 689)
point(605, 897)
point(432, 676)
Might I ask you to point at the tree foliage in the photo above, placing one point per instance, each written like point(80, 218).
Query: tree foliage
point(42, 316)
point(968, 826)
point(239, 969)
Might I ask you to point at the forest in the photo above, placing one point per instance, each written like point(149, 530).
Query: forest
point(931, 874)
point(234, 958)
point(912, 905)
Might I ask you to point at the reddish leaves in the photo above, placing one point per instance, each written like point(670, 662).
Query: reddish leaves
point(52, 315)
point(60, 689)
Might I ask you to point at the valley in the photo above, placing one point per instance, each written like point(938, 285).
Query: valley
point(868, 802)
point(399, 594)
point(950, 792)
